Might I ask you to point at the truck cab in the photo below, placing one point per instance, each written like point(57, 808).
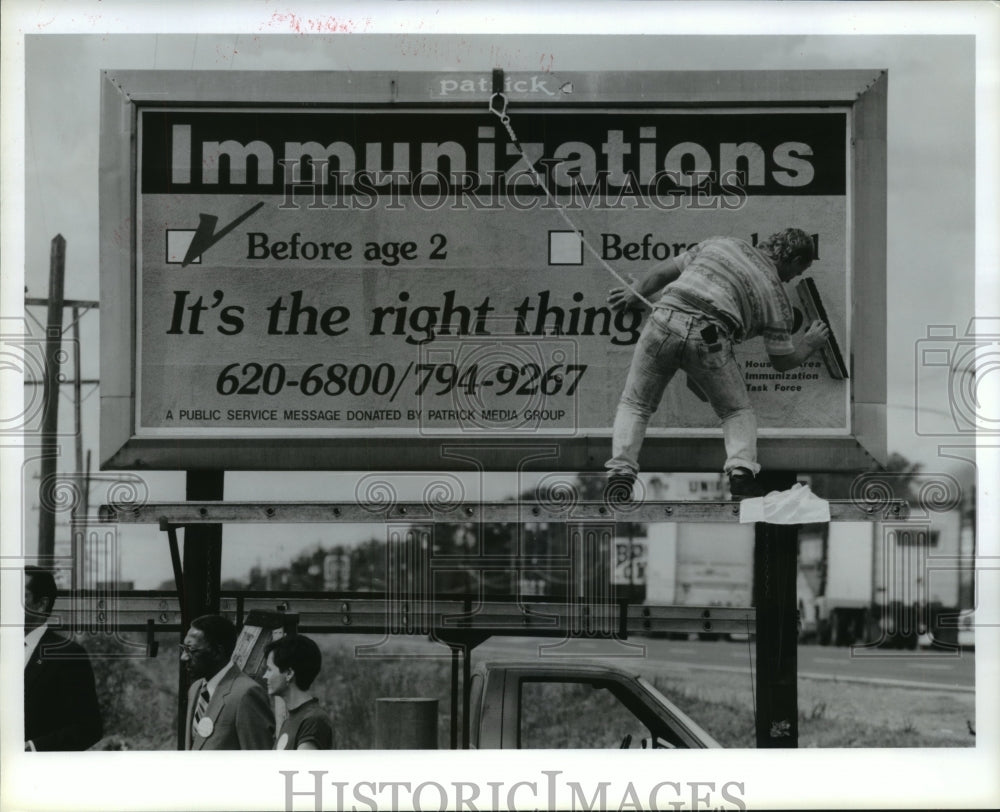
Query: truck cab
point(531, 705)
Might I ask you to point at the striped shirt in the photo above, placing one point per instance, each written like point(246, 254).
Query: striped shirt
point(733, 283)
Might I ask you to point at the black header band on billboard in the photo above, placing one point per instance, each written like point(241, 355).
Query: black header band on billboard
point(377, 152)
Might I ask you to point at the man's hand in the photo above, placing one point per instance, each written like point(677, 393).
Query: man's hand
point(816, 335)
point(623, 299)
point(655, 279)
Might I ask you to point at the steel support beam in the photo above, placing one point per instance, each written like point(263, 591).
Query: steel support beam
point(197, 512)
point(452, 619)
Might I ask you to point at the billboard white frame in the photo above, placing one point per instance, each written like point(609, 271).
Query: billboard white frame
point(124, 93)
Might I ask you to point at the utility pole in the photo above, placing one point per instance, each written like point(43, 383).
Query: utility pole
point(78, 527)
point(50, 415)
point(52, 380)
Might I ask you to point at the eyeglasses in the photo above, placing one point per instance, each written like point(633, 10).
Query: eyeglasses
point(186, 649)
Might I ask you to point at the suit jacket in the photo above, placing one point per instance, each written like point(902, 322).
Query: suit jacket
point(240, 713)
point(60, 700)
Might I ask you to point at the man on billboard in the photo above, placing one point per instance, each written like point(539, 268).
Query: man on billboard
point(722, 292)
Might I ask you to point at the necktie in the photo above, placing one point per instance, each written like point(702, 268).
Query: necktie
point(202, 706)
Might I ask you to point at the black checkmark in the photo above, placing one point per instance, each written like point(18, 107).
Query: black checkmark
point(206, 236)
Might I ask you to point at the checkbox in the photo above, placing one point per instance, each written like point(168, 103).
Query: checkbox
point(178, 242)
point(565, 248)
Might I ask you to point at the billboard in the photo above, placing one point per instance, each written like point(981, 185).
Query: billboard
point(352, 269)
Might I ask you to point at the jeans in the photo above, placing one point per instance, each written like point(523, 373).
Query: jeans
point(670, 341)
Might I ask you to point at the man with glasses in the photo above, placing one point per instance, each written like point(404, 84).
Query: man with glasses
point(226, 710)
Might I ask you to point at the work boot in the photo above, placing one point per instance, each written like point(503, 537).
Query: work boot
point(742, 484)
point(618, 490)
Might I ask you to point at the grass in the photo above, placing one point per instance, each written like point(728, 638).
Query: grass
point(350, 686)
point(137, 694)
point(138, 698)
point(831, 714)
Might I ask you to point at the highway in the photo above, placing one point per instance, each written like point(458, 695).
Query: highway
point(920, 669)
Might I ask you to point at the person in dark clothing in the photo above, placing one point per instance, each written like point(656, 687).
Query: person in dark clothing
point(60, 700)
point(293, 662)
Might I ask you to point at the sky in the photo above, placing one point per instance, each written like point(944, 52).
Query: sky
point(941, 164)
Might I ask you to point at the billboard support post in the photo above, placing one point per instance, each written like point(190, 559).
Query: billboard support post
point(203, 548)
point(774, 571)
point(202, 572)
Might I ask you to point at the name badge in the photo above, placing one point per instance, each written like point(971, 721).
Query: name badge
point(204, 727)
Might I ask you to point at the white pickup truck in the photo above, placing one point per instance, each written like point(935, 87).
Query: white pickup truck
point(529, 705)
